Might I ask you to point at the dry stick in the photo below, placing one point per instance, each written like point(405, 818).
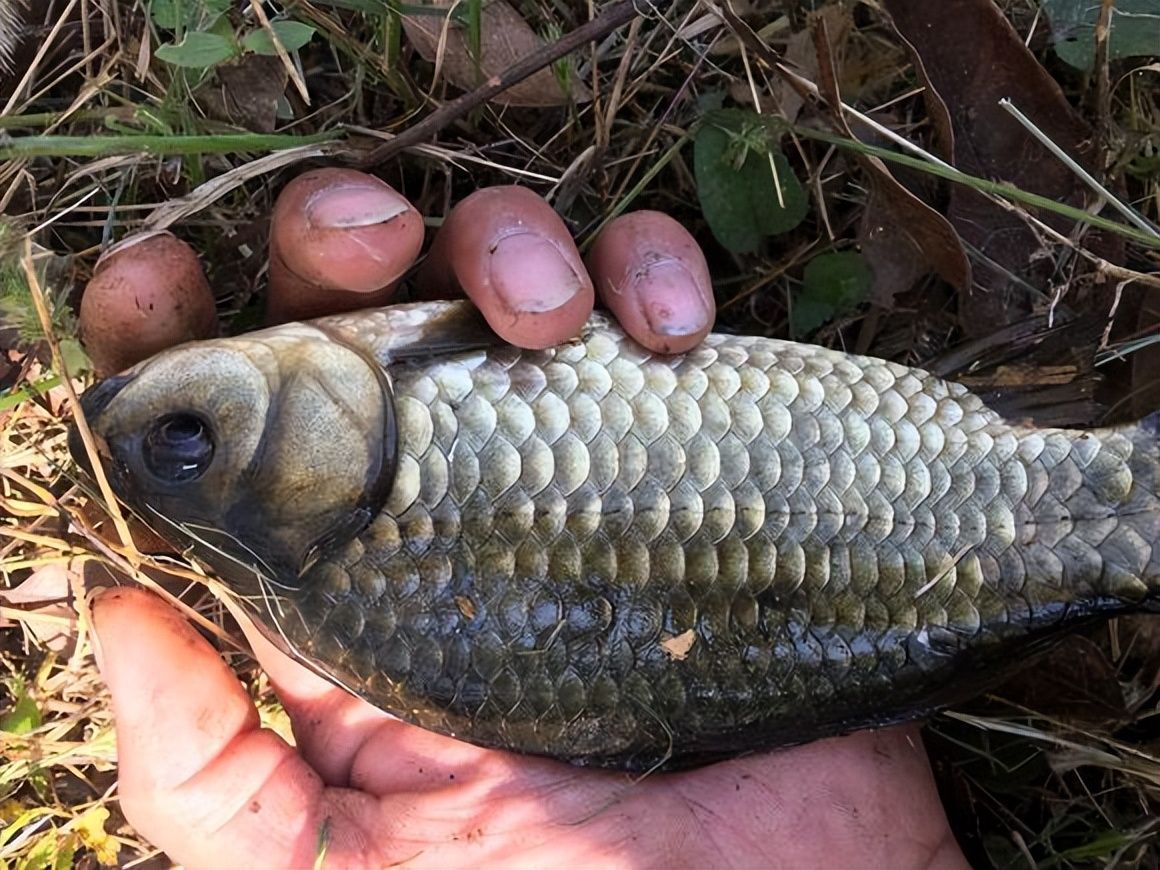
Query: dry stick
point(612, 18)
point(82, 425)
point(1103, 85)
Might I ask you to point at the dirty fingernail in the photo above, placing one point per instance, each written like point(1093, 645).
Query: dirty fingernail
point(354, 206)
point(531, 275)
point(672, 301)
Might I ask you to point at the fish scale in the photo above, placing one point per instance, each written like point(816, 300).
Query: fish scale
point(602, 515)
point(618, 558)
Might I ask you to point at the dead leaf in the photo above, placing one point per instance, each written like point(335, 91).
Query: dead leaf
point(1074, 682)
point(801, 53)
point(505, 37)
point(246, 92)
point(901, 237)
point(43, 605)
point(678, 647)
point(973, 58)
point(1018, 375)
point(1033, 370)
point(1146, 360)
point(466, 606)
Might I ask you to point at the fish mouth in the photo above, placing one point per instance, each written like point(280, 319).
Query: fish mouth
point(93, 403)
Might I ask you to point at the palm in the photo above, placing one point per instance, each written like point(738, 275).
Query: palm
point(204, 781)
point(846, 802)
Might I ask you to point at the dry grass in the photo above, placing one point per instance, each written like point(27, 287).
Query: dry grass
point(1075, 784)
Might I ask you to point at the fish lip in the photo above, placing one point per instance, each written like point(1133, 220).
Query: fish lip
point(92, 404)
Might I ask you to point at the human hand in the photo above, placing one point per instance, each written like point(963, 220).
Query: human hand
point(341, 240)
point(202, 780)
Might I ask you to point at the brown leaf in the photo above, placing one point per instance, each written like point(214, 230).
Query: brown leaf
point(1146, 360)
point(43, 604)
point(505, 37)
point(973, 58)
point(801, 53)
point(246, 92)
point(1032, 370)
point(936, 109)
point(466, 606)
point(903, 232)
point(901, 237)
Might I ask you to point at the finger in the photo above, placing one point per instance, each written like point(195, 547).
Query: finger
point(147, 293)
point(652, 275)
point(513, 256)
point(199, 777)
point(331, 726)
point(339, 240)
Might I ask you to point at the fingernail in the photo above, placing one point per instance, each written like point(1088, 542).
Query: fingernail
point(531, 275)
point(348, 206)
point(671, 298)
point(94, 638)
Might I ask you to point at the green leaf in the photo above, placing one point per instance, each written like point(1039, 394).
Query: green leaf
point(66, 850)
point(40, 856)
point(222, 27)
point(74, 356)
point(23, 717)
point(1134, 29)
point(735, 183)
point(710, 101)
point(187, 14)
point(198, 50)
point(832, 284)
point(292, 34)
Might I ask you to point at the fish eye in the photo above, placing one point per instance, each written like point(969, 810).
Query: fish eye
point(178, 448)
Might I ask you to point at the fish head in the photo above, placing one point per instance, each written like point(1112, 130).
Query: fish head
point(260, 453)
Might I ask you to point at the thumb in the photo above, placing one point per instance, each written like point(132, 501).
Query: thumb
point(199, 777)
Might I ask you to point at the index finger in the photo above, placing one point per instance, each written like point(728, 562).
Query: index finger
point(515, 259)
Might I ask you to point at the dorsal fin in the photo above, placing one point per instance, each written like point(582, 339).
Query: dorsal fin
point(412, 331)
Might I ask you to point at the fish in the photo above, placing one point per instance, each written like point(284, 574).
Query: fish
point(622, 559)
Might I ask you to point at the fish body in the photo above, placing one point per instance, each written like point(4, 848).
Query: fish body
point(611, 557)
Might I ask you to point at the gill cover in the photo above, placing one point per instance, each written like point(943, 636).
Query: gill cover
point(261, 451)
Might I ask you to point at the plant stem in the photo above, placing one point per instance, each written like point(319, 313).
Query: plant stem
point(162, 146)
point(982, 184)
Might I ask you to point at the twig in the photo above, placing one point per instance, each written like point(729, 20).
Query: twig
point(1103, 85)
point(612, 18)
point(81, 423)
point(287, 63)
point(1119, 273)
